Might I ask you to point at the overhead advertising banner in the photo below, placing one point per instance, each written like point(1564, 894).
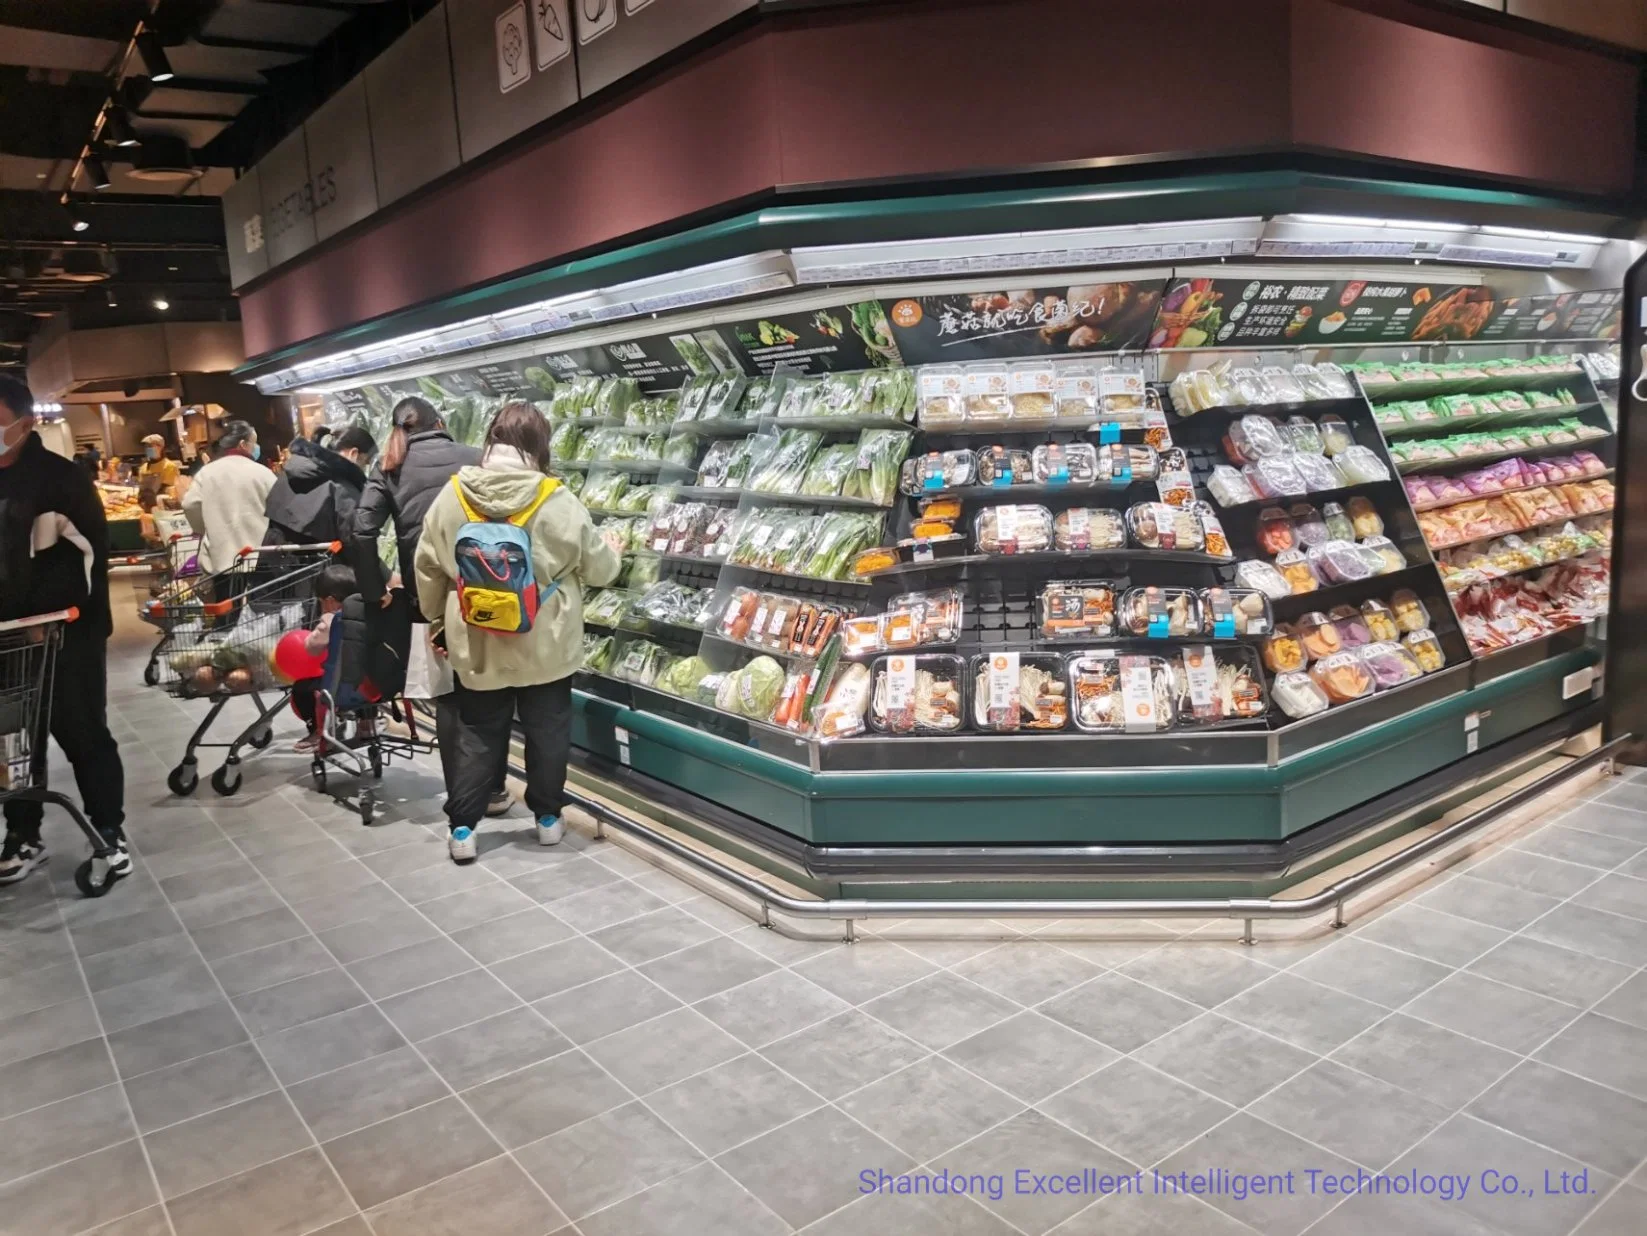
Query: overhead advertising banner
point(833, 340)
point(656, 362)
point(1565, 315)
point(999, 325)
point(1285, 312)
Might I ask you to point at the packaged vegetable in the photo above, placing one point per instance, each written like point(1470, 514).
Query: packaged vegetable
point(1113, 692)
point(836, 540)
point(1353, 631)
point(918, 619)
point(1214, 540)
point(1390, 665)
point(599, 658)
point(861, 636)
point(1426, 650)
point(1121, 394)
point(1297, 570)
point(918, 694)
point(937, 470)
point(1298, 696)
point(1284, 650)
point(1276, 531)
point(1318, 472)
point(754, 690)
point(942, 391)
point(1284, 387)
point(1032, 386)
point(1083, 529)
point(1162, 613)
point(1216, 685)
point(841, 715)
point(1383, 555)
point(1013, 529)
point(1339, 562)
point(1343, 677)
point(1228, 613)
point(1252, 438)
point(987, 395)
point(1309, 526)
point(1014, 691)
point(1380, 620)
point(998, 465)
point(1410, 612)
point(1302, 435)
point(1057, 463)
point(1364, 518)
point(639, 662)
point(683, 676)
point(784, 469)
point(1336, 436)
point(761, 398)
point(1155, 525)
point(1319, 634)
point(1361, 466)
point(1119, 465)
point(1252, 387)
point(798, 398)
point(1228, 487)
point(1078, 609)
point(1263, 577)
point(1276, 476)
point(872, 561)
point(828, 470)
point(874, 474)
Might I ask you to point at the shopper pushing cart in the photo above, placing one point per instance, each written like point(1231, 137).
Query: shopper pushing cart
point(54, 557)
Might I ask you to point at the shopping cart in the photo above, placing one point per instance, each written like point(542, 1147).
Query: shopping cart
point(28, 657)
point(218, 645)
point(162, 586)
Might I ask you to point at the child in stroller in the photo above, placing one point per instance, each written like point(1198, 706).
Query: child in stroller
point(334, 585)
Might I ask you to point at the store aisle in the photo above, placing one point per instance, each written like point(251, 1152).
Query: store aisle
point(287, 1023)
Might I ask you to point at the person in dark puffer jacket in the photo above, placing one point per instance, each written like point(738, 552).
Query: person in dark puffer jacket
point(315, 498)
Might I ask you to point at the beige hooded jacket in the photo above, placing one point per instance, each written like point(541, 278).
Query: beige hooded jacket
point(566, 549)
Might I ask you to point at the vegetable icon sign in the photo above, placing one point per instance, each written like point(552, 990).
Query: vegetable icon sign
point(595, 18)
point(514, 68)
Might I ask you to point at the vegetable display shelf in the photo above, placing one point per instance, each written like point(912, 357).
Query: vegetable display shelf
point(1465, 463)
point(1429, 388)
point(1420, 507)
point(1491, 420)
point(1554, 521)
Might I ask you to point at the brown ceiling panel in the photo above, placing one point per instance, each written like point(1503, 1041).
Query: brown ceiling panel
point(255, 21)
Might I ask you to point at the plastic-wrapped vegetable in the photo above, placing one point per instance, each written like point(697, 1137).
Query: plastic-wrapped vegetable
point(838, 538)
point(798, 398)
point(753, 691)
point(918, 694)
point(565, 439)
point(721, 400)
point(785, 468)
point(603, 489)
point(890, 393)
point(681, 449)
point(614, 396)
point(683, 676)
point(828, 470)
point(874, 474)
point(598, 660)
point(692, 397)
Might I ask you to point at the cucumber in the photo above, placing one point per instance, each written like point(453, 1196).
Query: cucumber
point(822, 675)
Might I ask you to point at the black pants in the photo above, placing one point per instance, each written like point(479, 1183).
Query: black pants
point(474, 742)
point(80, 724)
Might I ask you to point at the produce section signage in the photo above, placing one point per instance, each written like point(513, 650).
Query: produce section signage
point(657, 362)
point(830, 340)
point(1278, 311)
point(998, 325)
point(1567, 315)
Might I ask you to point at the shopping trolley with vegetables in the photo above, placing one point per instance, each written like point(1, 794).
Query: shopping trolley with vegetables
point(219, 645)
point(163, 586)
point(28, 658)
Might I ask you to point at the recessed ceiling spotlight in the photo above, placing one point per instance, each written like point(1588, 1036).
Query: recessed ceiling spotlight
point(96, 173)
point(154, 57)
point(162, 304)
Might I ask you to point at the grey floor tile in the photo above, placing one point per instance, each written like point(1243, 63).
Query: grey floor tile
point(312, 855)
point(1610, 820)
point(83, 1194)
point(305, 999)
point(1041, 1147)
point(1558, 973)
point(1464, 1139)
point(1603, 1050)
point(1618, 894)
point(502, 1044)
point(416, 965)
point(149, 1222)
point(1246, 1144)
point(120, 966)
point(1371, 971)
point(1489, 902)
point(724, 914)
point(930, 1107)
point(1613, 936)
point(1028, 971)
point(54, 1075)
point(225, 1142)
point(418, 853)
point(1303, 1013)
point(1356, 1116)
point(1434, 936)
point(447, 1004)
point(1146, 1213)
point(604, 1160)
point(195, 1087)
point(1030, 1057)
point(1573, 845)
point(156, 1044)
point(1377, 1214)
point(941, 1010)
point(272, 965)
point(124, 931)
point(865, 971)
point(439, 880)
point(323, 912)
point(67, 1129)
point(793, 942)
point(1426, 1060)
point(510, 936)
point(771, 1007)
point(372, 937)
point(353, 1097)
point(835, 1149)
point(1534, 872)
point(606, 1006)
point(707, 969)
point(704, 1199)
point(329, 1043)
point(1622, 1214)
point(660, 1052)
point(1119, 1012)
point(843, 1054)
point(1204, 974)
point(408, 1151)
point(237, 873)
point(651, 936)
point(1138, 1112)
point(299, 1193)
point(475, 906)
point(570, 875)
point(731, 1103)
point(556, 968)
point(602, 907)
point(347, 876)
point(1628, 1002)
point(1591, 1123)
point(913, 1215)
point(177, 990)
point(254, 931)
point(1506, 1017)
point(494, 1198)
point(545, 1098)
point(1226, 1059)
point(57, 1025)
point(214, 909)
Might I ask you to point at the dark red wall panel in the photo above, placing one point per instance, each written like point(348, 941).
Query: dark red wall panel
point(946, 90)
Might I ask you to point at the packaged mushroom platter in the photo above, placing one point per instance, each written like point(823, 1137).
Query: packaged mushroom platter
point(1212, 686)
point(918, 693)
point(1012, 692)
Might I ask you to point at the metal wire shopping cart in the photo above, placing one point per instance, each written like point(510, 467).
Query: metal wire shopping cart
point(219, 642)
point(28, 658)
point(161, 585)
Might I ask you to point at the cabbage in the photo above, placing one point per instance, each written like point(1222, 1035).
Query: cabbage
point(683, 677)
point(759, 684)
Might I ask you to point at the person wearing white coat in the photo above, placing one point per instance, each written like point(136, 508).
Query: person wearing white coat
point(226, 503)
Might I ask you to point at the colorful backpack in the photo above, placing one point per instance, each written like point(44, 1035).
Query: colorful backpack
point(497, 588)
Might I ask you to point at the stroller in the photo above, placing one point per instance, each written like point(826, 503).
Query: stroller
point(360, 693)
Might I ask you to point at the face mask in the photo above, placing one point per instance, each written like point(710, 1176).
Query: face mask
point(13, 436)
point(151, 452)
point(257, 450)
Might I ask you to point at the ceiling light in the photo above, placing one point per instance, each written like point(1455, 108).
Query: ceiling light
point(96, 172)
point(154, 57)
point(77, 218)
point(1533, 234)
point(119, 129)
point(162, 304)
point(109, 298)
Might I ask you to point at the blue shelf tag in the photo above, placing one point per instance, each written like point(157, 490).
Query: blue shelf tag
point(1224, 627)
point(1108, 432)
point(1158, 626)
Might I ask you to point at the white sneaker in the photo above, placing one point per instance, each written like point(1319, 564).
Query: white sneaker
point(19, 858)
point(499, 803)
point(460, 844)
point(550, 830)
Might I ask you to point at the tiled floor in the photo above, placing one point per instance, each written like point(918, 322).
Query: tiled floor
point(286, 1023)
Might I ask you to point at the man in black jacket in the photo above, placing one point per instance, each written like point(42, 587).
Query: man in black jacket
point(54, 555)
point(315, 498)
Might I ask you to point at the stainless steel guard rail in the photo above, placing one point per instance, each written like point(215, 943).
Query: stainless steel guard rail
point(849, 910)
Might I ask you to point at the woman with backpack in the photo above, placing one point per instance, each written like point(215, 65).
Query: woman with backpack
point(500, 569)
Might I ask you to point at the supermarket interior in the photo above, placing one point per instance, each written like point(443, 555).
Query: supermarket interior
point(1106, 690)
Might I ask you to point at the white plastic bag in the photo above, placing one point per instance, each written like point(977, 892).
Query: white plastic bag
point(428, 674)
